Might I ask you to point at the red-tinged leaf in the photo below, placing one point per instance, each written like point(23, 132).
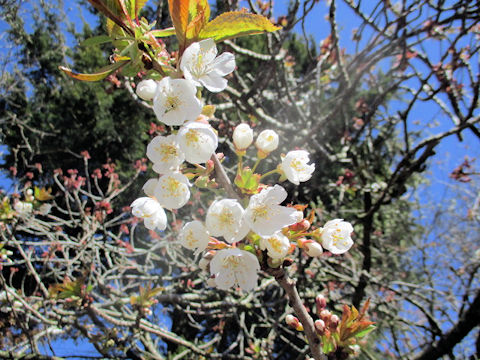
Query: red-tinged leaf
point(364, 309)
point(99, 75)
point(163, 32)
point(139, 4)
point(234, 24)
point(198, 16)
point(111, 13)
point(125, 12)
point(179, 12)
point(194, 27)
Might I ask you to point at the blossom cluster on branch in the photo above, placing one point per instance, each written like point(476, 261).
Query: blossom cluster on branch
point(238, 234)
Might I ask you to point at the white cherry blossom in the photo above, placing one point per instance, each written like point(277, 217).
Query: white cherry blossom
point(264, 213)
point(242, 136)
point(296, 168)
point(200, 65)
point(172, 190)
point(165, 154)
point(176, 102)
point(193, 236)
point(225, 218)
point(146, 89)
point(336, 236)
point(151, 212)
point(197, 141)
point(277, 245)
point(235, 267)
point(267, 141)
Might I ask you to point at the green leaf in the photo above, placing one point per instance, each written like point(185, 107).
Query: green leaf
point(234, 24)
point(163, 32)
point(365, 331)
point(112, 12)
point(99, 75)
point(247, 181)
point(96, 40)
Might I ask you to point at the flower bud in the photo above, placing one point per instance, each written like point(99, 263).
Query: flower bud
point(321, 302)
point(320, 327)
point(267, 141)
point(242, 136)
point(325, 315)
point(293, 322)
point(146, 89)
point(334, 321)
point(313, 249)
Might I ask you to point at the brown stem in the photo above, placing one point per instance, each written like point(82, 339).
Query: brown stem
point(296, 303)
point(222, 178)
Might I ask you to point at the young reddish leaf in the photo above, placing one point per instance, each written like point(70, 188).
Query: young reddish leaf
point(111, 11)
point(364, 309)
point(99, 75)
point(179, 12)
point(198, 16)
point(234, 24)
point(163, 32)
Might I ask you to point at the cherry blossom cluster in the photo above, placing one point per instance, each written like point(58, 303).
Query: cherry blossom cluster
point(238, 234)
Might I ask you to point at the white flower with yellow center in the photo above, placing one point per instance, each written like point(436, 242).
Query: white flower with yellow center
point(165, 154)
point(176, 102)
point(277, 245)
point(296, 168)
point(336, 236)
point(235, 267)
point(200, 65)
point(264, 213)
point(146, 89)
point(151, 212)
point(267, 141)
point(242, 136)
point(172, 190)
point(197, 141)
point(193, 236)
point(225, 218)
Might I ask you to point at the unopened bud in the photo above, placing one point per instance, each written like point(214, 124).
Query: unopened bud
point(321, 302)
point(242, 137)
point(302, 225)
point(313, 249)
point(267, 141)
point(293, 322)
point(146, 89)
point(320, 327)
point(325, 315)
point(334, 321)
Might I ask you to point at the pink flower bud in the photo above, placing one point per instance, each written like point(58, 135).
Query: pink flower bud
point(321, 302)
point(293, 322)
point(320, 327)
point(325, 315)
point(334, 321)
